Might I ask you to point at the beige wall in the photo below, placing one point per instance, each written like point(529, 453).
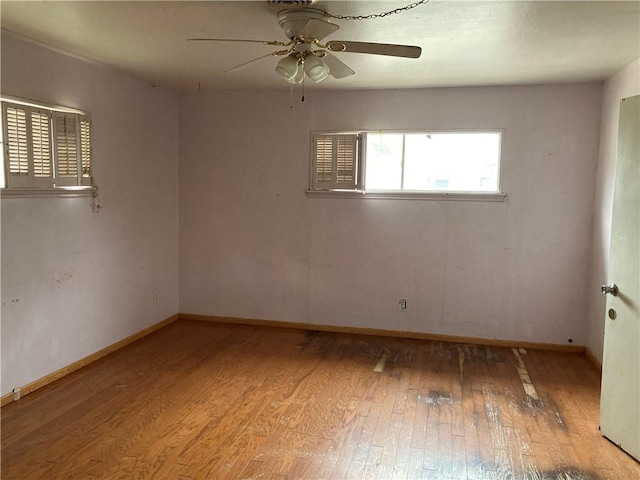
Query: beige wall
point(74, 281)
point(253, 245)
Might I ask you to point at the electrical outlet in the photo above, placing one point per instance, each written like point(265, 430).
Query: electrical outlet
point(403, 304)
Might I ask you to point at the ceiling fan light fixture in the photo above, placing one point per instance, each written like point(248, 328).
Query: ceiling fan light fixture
point(315, 68)
point(288, 68)
point(304, 55)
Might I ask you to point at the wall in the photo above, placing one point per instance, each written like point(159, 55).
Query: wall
point(253, 245)
point(74, 281)
point(625, 83)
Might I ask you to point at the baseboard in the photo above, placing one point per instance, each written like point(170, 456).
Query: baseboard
point(491, 342)
point(590, 355)
point(52, 377)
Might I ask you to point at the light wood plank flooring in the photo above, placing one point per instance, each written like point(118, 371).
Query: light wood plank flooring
point(198, 400)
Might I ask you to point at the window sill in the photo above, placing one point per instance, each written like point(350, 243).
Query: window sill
point(48, 192)
point(437, 196)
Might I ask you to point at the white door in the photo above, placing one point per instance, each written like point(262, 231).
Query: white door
point(620, 399)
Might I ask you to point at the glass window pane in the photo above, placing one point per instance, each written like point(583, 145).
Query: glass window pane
point(464, 162)
point(384, 161)
point(420, 167)
point(450, 161)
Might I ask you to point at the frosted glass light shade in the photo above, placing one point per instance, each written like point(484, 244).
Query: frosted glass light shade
point(287, 68)
point(316, 69)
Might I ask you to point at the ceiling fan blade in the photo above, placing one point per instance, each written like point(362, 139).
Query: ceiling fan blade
point(337, 69)
point(244, 65)
point(318, 29)
point(264, 42)
point(407, 51)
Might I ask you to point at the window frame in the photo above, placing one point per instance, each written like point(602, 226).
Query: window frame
point(362, 192)
point(53, 185)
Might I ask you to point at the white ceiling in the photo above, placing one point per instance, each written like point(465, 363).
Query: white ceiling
point(463, 42)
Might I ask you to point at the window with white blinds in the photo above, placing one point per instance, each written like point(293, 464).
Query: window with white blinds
point(460, 164)
point(15, 136)
point(41, 141)
point(335, 164)
point(45, 147)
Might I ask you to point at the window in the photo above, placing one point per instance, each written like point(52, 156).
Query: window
point(336, 161)
point(45, 147)
point(407, 164)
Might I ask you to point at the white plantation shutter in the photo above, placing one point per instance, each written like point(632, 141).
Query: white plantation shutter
point(42, 168)
point(66, 135)
point(85, 150)
point(346, 149)
point(16, 145)
point(335, 163)
point(28, 154)
point(323, 162)
point(45, 147)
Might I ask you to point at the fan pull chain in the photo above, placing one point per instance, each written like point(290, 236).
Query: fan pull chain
point(303, 88)
point(291, 95)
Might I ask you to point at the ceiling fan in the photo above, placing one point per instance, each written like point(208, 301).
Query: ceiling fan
point(304, 54)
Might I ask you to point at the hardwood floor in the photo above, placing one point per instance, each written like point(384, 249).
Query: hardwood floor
point(199, 400)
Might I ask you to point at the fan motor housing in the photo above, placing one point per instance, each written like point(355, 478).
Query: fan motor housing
point(292, 21)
